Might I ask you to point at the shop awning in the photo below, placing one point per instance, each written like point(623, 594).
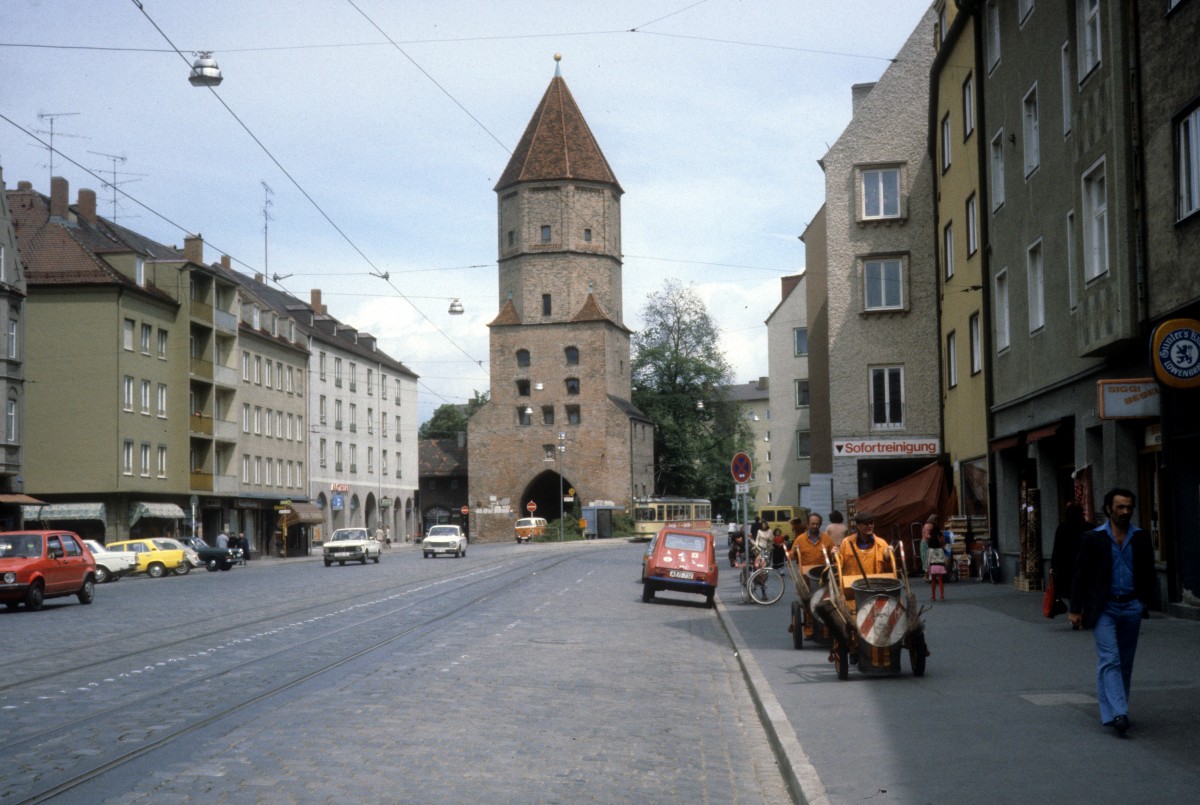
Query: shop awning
point(22, 499)
point(303, 514)
point(161, 511)
point(65, 511)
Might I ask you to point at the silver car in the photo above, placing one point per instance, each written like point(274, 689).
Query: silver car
point(447, 539)
point(351, 545)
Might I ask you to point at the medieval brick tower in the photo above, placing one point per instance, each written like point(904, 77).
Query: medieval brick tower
point(560, 409)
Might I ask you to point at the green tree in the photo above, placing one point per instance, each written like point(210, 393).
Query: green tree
point(677, 364)
point(449, 420)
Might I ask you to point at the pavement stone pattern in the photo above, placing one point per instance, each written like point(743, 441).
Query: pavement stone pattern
point(562, 687)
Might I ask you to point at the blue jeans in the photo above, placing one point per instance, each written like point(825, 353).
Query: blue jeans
point(1116, 634)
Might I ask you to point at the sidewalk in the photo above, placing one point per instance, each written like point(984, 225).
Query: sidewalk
point(1006, 709)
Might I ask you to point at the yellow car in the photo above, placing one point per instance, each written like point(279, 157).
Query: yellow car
point(155, 557)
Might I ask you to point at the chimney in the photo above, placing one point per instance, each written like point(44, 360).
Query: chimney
point(87, 205)
point(59, 204)
point(259, 278)
point(24, 185)
point(316, 301)
point(225, 263)
point(858, 94)
point(193, 249)
point(763, 383)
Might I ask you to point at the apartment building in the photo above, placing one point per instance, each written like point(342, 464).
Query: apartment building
point(790, 397)
point(12, 372)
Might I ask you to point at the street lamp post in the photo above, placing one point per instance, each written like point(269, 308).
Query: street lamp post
point(562, 448)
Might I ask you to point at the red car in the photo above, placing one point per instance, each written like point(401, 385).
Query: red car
point(683, 561)
point(36, 565)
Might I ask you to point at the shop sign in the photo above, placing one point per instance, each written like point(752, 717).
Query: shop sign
point(1176, 353)
point(343, 488)
point(336, 503)
point(1153, 435)
point(1129, 399)
point(885, 448)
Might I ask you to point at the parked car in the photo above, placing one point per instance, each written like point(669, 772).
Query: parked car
point(36, 565)
point(111, 565)
point(351, 545)
point(529, 527)
point(444, 539)
point(212, 557)
point(681, 560)
point(155, 557)
point(191, 559)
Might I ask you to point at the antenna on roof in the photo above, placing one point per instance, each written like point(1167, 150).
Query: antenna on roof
point(114, 159)
point(267, 219)
point(52, 116)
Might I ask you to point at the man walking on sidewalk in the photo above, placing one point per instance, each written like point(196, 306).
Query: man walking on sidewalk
point(1111, 593)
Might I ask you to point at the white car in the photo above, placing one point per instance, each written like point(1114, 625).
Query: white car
point(351, 545)
point(444, 539)
point(111, 565)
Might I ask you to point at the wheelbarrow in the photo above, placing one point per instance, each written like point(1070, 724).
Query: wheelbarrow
point(812, 587)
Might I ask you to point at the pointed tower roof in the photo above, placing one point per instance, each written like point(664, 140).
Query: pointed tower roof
point(557, 144)
point(507, 315)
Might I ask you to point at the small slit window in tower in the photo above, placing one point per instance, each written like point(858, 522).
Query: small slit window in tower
point(512, 237)
point(572, 356)
point(522, 388)
point(547, 414)
point(587, 236)
point(573, 414)
point(523, 358)
point(524, 415)
point(572, 385)
point(545, 304)
point(546, 234)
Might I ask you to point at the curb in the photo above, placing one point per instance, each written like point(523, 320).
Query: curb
point(800, 776)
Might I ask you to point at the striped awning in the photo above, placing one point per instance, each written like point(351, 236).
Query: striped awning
point(162, 511)
point(65, 511)
point(304, 514)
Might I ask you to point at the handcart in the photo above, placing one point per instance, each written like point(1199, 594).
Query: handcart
point(812, 587)
point(873, 618)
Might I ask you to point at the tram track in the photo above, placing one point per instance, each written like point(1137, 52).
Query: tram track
point(493, 583)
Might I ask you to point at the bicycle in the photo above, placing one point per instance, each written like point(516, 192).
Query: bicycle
point(989, 563)
point(763, 585)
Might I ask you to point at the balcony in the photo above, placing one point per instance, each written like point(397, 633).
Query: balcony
point(200, 424)
point(200, 311)
point(202, 482)
point(225, 322)
point(225, 430)
point(202, 369)
point(225, 375)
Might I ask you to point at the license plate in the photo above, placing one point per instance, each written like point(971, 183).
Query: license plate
point(682, 574)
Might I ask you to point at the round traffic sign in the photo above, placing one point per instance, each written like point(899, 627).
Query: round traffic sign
point(741, 467)
point(882, 622)
point(531, 507)
point(463, 511)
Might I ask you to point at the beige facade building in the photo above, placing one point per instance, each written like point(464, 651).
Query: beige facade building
point(12, 371)
point(753, 403)
point(559, 413)
point(790, 402)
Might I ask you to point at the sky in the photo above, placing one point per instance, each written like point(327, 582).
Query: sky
point(381, 127)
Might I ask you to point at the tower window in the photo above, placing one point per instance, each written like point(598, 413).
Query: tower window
point(587, 236)
point(524, 415)
point(572, 354)
point(547, 415)
point(545, 304)
point(573, 414)
point(523, 358)
point(545, 234)
point(572, 385)
point(511, 237)
point(522, 388)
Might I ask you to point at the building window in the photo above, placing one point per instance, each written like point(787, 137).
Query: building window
point(992, 25)
point(1095, 223)
point(127, 457)
point(545, 304)
point(803, 444)
point(1001, 314)
point(145, 460)
point(972, 226)
point(270, 416)
point(883, 284)
point(511, 237)
point(321, 365)
point(572, 414)
point(801, 389)
point(1090, 36)
point(258, 420)
point(524, 415)
point(270, 378)
point(951, 360)
point(545, 234)
point(523, 358)
point(1067, 88)
point(887, 397)
point(337, 372)
point(337, 414)
point(997, 165)
point(246, 366)
point(547, 414)
point(258, 473)
point(522, 388)
point(321, 409)
point(146, 397)
point(1029, 122)
point(127, 334)
point(946, 143)
point(948, 248)
point(10, 421)
point(880, 193)
point(245, 469)
point(1024, 8)
point(258, 369)
point(162, 400)
point(370, 420)
point(1189, 164)
point(976, 344)
point(245, 417)
point(370, 382)
point(162, 461)
point(800, 341)
point(11, 346)
point(1072, 288)
point(162, 344)
point(147, 331)
point(547, 452)
point(968, 100)
point(1036, 287)
point(321, 450)
point(127, 391)
point(572, 355)
point(572, 384)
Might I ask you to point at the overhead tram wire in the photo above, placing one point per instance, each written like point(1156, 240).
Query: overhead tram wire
point(376, 270)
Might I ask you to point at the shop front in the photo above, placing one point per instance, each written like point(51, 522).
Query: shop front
point(298, 521)
point(88, 520)
point(147, 519)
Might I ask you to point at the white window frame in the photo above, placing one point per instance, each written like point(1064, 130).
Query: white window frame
point(880, 176)
point(1188, 195)
point(883, 282)
point(887, 373)
point(1090, 51)
point(968, 100)
point(972, 225)
point(798, 334)
point(127, 392)
point(975, 332)
point(162, 461)
point(1031, 130)
point(951, 359)
point(245, 417)
point(10, 421)
point(1003, 328)
point(162, 400)
point(13, 338)
point(797, 385)
point(1095, 221)
point(147, 330)
point(996, 162)
point(1068, 88)
point(127, 334)
point(1024, 9)
point(127, 457)
point(1035, 286)
point(1072, 282)
point(145, 397)
point(948, 248)
point(145, 460)
point(946, 156)
point(991, 13)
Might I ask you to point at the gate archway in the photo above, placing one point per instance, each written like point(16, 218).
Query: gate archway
point(544, 491)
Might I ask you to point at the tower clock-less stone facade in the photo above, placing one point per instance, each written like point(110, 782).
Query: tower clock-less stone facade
point(560, 366)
